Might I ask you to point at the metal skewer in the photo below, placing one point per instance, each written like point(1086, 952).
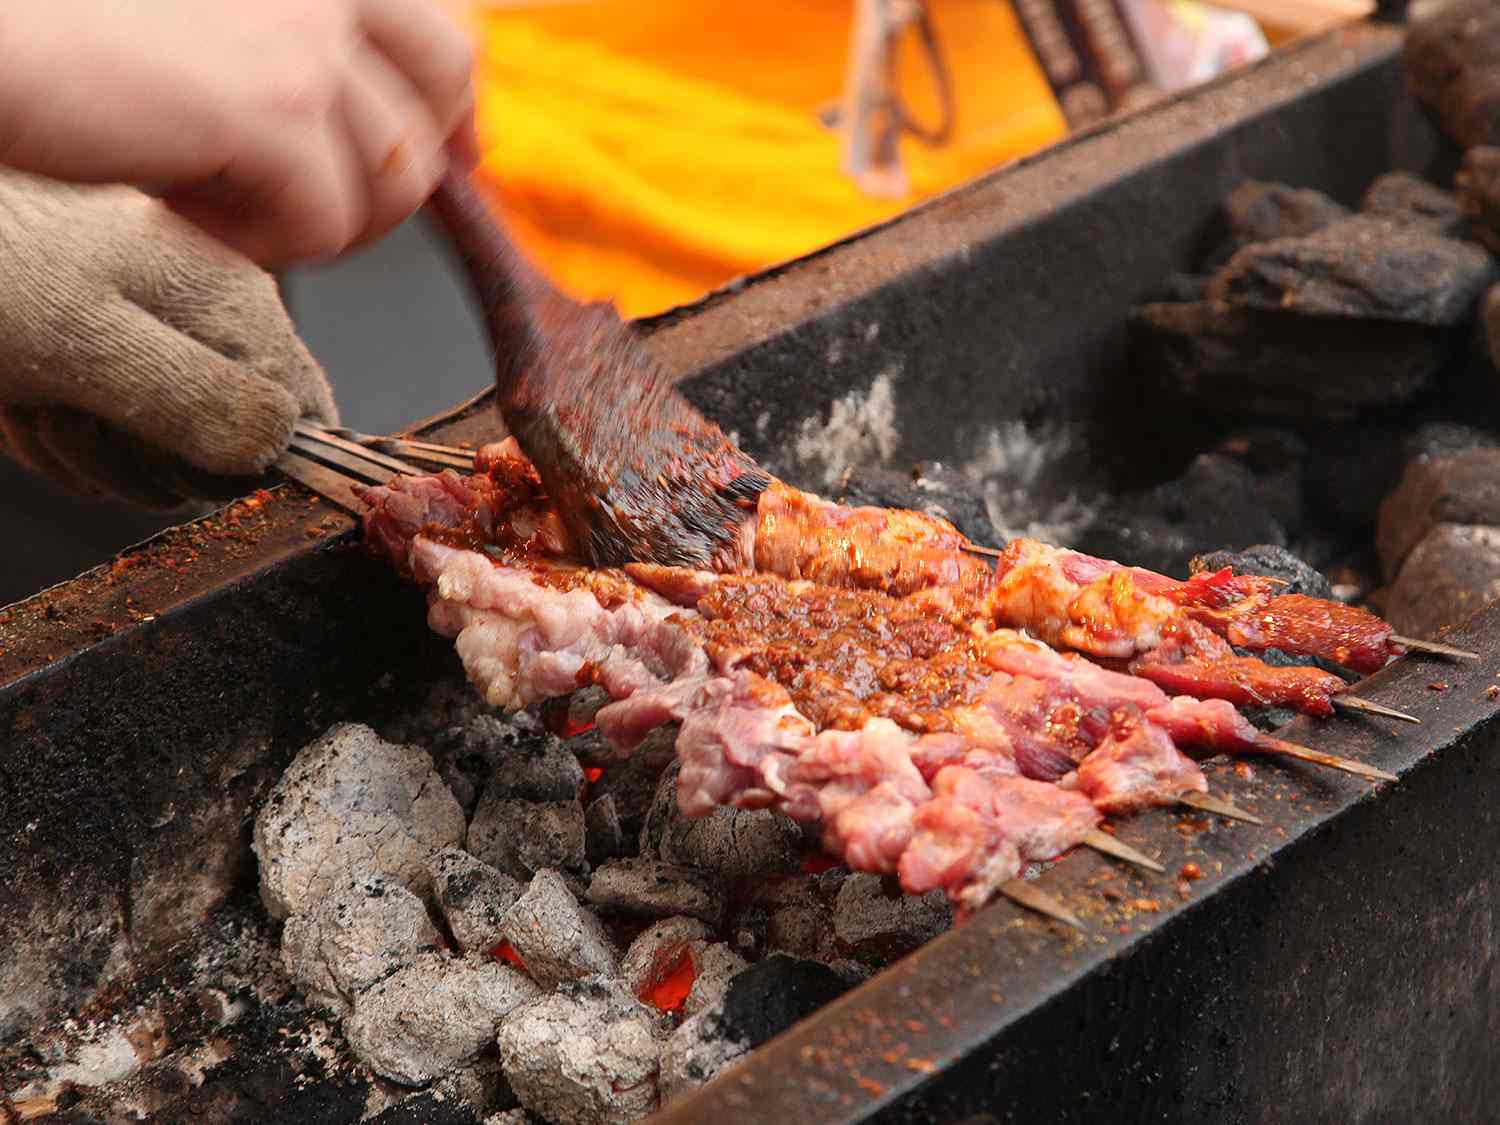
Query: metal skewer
point(317, 442)
point(410, 447)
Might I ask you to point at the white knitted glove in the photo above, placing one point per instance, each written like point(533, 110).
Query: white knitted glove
point(140, 358)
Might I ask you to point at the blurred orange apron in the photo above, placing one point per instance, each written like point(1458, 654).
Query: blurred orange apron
point(648, 151)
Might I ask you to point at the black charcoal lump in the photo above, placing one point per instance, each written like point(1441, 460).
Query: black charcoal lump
point(1479, 194)
point(1362, 313)
point(1458, 488)
point(1367, 267)
point(1452, 62)
point(933, 489)
point(1260, 212)
point(1269, 561)
point(1451, 574)
point(1218, 500)
point(1404, 197)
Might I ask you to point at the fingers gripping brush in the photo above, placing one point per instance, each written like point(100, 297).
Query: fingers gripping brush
point(636, 474)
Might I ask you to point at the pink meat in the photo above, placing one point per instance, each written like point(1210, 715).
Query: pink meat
point(1136, 767)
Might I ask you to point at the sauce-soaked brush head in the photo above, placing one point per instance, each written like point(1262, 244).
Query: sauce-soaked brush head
point(635, 473)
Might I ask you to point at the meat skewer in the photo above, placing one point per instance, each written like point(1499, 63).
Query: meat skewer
point(932, 801)
point(529, 632)
point(1179, 634)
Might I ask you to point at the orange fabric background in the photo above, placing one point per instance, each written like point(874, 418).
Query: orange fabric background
point(648, 151)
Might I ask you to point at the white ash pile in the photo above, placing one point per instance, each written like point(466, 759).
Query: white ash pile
point(517, 900)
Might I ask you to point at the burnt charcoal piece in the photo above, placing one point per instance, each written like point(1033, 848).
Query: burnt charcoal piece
point(644, 887)
point(1275, 456)
point(473, 898)
point(1282, 365)
point(1406, 198)
point(633, 784)
point(603, 837)
point(730, 844)
point(539, 768)
point(433, 1014)
point(879, 923)
point(1453, 65)
point(1453, 573)
point(359, 934)
point(1365, 267)
point(1269, 561)
point(658, 950)
point(1491, 319)
point(933, 489)
point(588, 1052)
point(521, 838)
point(1184, 287)
point(771, 995)
point(349, 806)
point(1260, 212)
point(1218, 500)
point(1479, 193)
point(557, 938)
point(1463, 488)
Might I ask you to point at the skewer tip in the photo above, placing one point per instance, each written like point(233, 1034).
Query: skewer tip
point(1024, 894)
point(1104, 842)
point(1332, 761)
point(1365, 706)
point(1414, 644)
point(1205, 802)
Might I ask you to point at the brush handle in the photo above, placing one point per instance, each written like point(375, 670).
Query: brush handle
point(511, 294)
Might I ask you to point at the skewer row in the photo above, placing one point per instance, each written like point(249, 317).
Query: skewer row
point(329, 461)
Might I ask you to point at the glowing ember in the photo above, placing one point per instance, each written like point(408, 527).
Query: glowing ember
point(593, 774)
point(555, 714)
point(503, 952)
point(670, 992)
point(818, 863)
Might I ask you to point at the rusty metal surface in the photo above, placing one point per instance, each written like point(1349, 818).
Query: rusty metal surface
point(1335, 965)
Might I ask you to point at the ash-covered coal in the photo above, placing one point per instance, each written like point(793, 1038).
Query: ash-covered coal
point(479, 973)
point(351, 805)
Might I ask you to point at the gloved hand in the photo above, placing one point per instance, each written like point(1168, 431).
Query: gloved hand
point(140, 358)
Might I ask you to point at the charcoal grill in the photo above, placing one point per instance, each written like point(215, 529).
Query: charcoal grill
point(1338, 964)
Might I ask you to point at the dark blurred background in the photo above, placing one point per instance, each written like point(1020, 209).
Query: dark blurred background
point(395, 334)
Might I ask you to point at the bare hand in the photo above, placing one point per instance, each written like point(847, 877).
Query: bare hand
point(289, 129)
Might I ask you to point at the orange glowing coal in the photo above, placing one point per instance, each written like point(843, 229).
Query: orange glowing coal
point(670, 992)
point(593, 774)
point(504, 952)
